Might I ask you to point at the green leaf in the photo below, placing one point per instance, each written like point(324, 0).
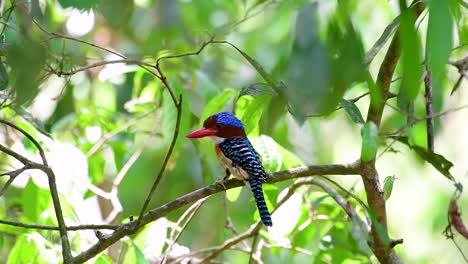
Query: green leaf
point(316, 79)
point(370, 141)
point(439, 39)
point(96, 164)
point(79, 4)
point(26, 60)
point(438, 161)
point(217, 104)
point(410, 59)
point(256, 89)
point(352, 110)
point(139, 257)
point(120, 149)
point(104, 259)
point(35, 201)
point(233, 194)
point(308, 68)
point(383, 234)
point(274, 156)
point(30, 248)
point(268, 150)
point(249, 109)
point(319, 200)
point(116, 12)
point(388, 186)
point(345, 51)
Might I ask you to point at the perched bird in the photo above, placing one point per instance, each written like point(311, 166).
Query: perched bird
point(236, 154)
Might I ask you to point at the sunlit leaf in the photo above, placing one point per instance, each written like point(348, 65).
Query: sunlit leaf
point(139, 257)
point(274, 156)
point(30, 248)
point(388, 186)
point(120, 150)
point(438, 161)
point(233, 194)
point(410, 59)
point(96, 164)
point(35, 201)
point(250, 109)
point(370, 141)
point(104, 259)
point(353, 111)
point(319, 200)
point(217, 104)
point(268, 150)
point(439, 38)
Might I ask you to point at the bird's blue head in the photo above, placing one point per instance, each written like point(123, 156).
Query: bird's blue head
point(223, 125)
point(228, 119)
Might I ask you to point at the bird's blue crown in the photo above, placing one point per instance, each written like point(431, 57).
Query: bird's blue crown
point(228, 118)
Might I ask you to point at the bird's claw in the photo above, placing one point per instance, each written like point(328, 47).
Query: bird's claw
point(222, 181)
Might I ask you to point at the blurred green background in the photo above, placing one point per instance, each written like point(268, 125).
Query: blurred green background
point(116, 121)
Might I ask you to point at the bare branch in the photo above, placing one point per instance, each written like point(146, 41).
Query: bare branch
point(55, 228)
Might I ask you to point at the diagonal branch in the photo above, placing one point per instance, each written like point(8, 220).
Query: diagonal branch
point(189, 198)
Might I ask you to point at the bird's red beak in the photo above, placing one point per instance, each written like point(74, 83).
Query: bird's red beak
point(204, 132)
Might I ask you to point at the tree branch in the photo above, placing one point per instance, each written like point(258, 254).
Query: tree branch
point(132, 227)
point(66, 249)
point(369, 173)
point(55, 228)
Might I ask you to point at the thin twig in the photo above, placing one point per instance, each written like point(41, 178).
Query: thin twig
point(66, 249)
point(166, 160)
point(413, 122)
point(55, 228)
point(190, 213)
point(429, 111)
point(252, 248)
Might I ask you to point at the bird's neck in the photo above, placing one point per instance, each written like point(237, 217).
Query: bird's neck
point(217, 140)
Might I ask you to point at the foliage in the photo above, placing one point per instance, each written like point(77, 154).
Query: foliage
point(106, 86)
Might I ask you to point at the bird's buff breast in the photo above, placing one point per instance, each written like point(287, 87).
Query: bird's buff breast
point(236, 171)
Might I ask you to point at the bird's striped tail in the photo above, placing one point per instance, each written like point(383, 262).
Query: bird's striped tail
point(256, 186)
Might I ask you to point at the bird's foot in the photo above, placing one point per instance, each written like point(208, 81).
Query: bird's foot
point(222, 181)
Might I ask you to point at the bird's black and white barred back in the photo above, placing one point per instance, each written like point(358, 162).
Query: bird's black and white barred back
point(242, 155)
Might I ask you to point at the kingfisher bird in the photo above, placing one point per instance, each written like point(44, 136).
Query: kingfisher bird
point(237, 155)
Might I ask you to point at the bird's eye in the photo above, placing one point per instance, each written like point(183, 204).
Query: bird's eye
point(218, 126)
